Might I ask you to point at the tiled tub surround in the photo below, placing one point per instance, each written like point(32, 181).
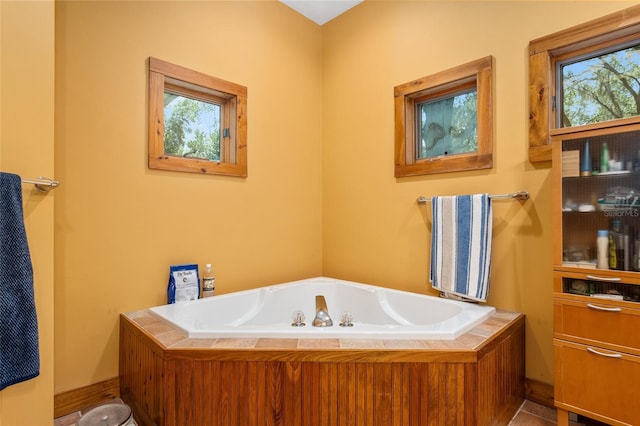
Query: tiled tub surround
point(171, 380)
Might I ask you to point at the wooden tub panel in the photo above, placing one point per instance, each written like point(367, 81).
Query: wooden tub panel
point(500, 384)
point(195, 386)
point(142, 370)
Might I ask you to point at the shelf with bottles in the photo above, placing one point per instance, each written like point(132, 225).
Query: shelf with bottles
point(580, 243)
point(602, 155)
point(600, 193)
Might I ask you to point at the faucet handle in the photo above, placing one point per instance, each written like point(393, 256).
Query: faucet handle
point(346, 319)
point(298, 319)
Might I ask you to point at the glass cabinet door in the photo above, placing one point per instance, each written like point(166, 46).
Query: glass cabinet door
point(599, 201)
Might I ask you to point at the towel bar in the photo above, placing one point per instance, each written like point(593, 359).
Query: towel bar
point(520, 196)
point(43, 184)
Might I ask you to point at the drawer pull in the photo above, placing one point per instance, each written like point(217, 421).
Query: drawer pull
point(595, 277)
point(602, 308)
point(593, 351)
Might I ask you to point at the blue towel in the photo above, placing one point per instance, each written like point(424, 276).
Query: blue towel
point(19, 356)
point(461, 245)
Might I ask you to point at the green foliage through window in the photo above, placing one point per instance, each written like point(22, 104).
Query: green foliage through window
point(448, 125)
point(192, 127)
point(601, 87)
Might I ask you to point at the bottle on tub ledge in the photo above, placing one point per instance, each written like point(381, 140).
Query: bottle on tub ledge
point(208, 281)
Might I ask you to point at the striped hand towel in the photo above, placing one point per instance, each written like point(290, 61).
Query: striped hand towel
point(461, 245)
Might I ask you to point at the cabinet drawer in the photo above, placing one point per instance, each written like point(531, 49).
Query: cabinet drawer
point(597, 321)
point(597, 382)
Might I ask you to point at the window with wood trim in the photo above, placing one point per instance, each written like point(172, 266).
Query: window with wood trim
point(550, 55)
point(197, 123)
point(444, 122)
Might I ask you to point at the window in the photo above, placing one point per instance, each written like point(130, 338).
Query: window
point(601, 86)
point(443, 122)
point(197, 123)
point(458, 114)
point(584, 77)
point(191, 126)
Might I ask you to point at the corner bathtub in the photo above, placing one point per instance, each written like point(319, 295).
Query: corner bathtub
point(408, 360)
point(374, 311)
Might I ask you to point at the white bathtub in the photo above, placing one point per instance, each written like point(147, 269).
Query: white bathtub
point(376, 312)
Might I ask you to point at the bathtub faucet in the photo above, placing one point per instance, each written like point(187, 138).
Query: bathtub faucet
point(322, 318)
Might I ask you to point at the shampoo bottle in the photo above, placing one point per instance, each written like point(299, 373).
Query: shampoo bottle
point(585, 164)
point(604, 159)
point(603, 249)
point(613, 259)
point(208, 281)
point(617, 247)
point(628, 258)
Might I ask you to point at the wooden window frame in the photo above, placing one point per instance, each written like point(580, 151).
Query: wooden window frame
point(406, 97)
point(544, 52)
point(233, 101)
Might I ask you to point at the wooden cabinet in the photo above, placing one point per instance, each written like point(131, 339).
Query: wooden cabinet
point(597, 310)
point(597, 383)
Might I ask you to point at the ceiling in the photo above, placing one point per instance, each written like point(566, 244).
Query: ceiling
point(321, 11)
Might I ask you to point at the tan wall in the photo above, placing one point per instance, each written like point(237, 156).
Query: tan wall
point(320, 197)
point(26, 149)
point(373, 229)
point(119, 225)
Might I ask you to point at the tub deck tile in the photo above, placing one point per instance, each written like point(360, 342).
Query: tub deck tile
point(404, 344)
point(143, 318)
point(319, 344)
point(490, 326)
point(471, 340)
point(361, 344)
point(506, 315)
point(277, 344)
point(239, 343)
point(445, 344)
point(495, 321)
point(170, 338)
point(134, 315)
point(194, 343)
point(158, 328)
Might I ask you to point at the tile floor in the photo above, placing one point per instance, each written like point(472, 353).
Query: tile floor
point(530, 414)
point(534, 414)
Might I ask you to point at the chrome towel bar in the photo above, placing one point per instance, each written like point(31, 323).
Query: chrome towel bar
point(42, 184)
point(519, 196)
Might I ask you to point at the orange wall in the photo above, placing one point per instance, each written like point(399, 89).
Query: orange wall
point(320, 197)
point(26, 149)
point(373, 229)
point(119, 225)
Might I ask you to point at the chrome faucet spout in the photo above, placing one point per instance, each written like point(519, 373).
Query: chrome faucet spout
point(322, 318)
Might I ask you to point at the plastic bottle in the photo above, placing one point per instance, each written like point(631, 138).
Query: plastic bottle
point(627, 249)
point(208, 282)
point(636, 253)
point(602, 243)
point(604, 159)
point(613, 259)
point(585, 164)
point(617, 247)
